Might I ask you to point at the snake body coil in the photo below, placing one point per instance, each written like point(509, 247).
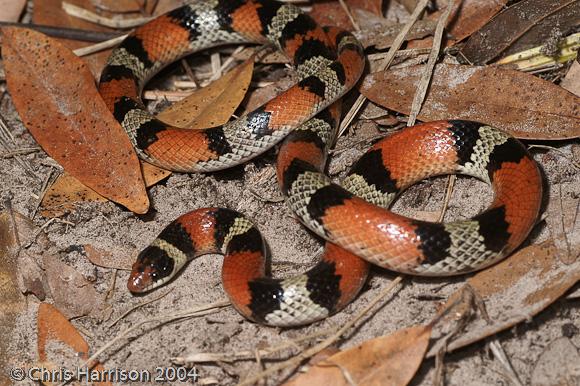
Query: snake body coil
point(353, 217)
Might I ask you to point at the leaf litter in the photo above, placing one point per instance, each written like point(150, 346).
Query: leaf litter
point(181, 193)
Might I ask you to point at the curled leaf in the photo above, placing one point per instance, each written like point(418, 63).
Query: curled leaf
point(514, 291)
point(214, 104)
point(390, 360)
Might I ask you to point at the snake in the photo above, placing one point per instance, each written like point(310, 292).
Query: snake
point(353, 217)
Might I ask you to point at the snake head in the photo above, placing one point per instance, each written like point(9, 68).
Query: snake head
point(153, 268)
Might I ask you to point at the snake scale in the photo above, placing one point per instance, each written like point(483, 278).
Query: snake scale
point(353, 217)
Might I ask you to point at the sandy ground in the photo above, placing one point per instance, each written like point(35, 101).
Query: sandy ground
point(112, 228)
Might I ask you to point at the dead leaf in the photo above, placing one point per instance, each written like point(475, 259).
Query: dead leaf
point(66, 191)
point(468, 16)
point(50, 12)
point(526, 106)
point(13, 303)
point(213, 105)
point(563, 221)
point(10, 10)
point(559, 364)
point(571, 81)
point(30, 274)
point(64, 281)
point(523, 25)
point(514, 291)
point(332, 13)
point(54, 327)
point(383, 36)
point(56, 98)
point(120, 258)
point(390, 360)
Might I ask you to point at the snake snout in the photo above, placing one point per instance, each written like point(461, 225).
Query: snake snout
point(140, 279)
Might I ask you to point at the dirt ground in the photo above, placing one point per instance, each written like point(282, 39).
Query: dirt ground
point(534, 348)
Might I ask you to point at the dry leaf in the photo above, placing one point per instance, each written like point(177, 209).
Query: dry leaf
point(53, 327)
point(63, 281)
point(212, 105)
point(13, 303)
point(332, 13)
point(468, 16)
point(558, 365)
point(571, 81)
point(526, 106)
point(10, 10)
point(56, 98)
point(120, 258)
point(524, 25)
point(383, 36)
point(514, 291)
point(390, 360)
point(50, 12)
point(66, 191)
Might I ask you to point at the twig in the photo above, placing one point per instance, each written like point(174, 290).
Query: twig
point(385, 64)
point(531, 25)
point(195, 311)
point(65, 33)
point(92, 17)
point(138, 306)
point(45, 185)
point(428, 71)
point(225, 64)
point(500, 354)
point(349, 14)
point(189, 73)
point(6, 139)
point(99, 46)
point(171, 96)
point(401, 53)
point(248, 354)
point(22, 151)
point(216, 65)
point(322, 345)
point(448, 192)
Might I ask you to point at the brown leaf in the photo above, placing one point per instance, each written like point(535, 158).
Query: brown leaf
point(524, 25)
point(332, 13)
point(526, 106)
point(54, 327)
point(571, 81)
point(50, 12)
point(383, 36)
point(515, 290)
point(58, 102)
point(66, 191)
point(390, 360)
point(212, 105)
point(10, 10)
point(120, 258)
point(63, 281)
point(13, 303)
point(468, 16)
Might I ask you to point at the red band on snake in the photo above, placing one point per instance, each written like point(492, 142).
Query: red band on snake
point(353, 217)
